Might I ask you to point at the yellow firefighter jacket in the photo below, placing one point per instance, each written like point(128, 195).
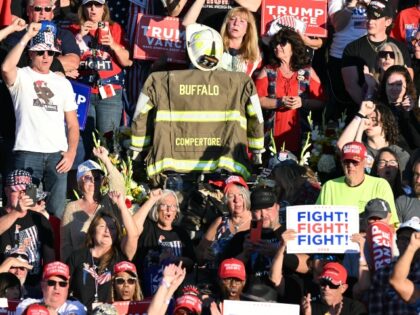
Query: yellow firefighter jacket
point(198, 121)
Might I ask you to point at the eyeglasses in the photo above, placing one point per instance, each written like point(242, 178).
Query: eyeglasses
point(53, 283)
point(207, 61)
point(382, 163)
point(326, 283)
point(384, 54)
point(168, 207)
point(231, 281)
point(39, 9)
point(415, 42)
point(90, 178)
point(95, 4)
point(42, 52)
point(121, 281)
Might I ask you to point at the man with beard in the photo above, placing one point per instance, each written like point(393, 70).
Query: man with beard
point(333, 284)
point(409, 206)
point(356, 188)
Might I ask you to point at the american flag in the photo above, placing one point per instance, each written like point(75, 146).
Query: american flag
point(100, 279)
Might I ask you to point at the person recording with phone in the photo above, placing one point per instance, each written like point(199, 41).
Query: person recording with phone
point(25, 230)
point(104, 48)
point(258, 246)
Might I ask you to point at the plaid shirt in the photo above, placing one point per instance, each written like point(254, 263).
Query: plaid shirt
point(383, 300)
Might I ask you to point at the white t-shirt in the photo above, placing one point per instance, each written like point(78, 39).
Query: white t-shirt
point(68, 308)
point(355, 29)
point(40, 101)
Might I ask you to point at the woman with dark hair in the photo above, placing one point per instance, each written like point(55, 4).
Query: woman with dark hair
point(10, 286)
point(397, 90)
point(91, 267)
point(79, 214)
point(386, 165)
point(104, 54)
point(287, 86)
point(125, 283)
point(376, 127)
point(160, 241)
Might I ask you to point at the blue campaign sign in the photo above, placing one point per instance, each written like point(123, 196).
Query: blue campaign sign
point(82, 97)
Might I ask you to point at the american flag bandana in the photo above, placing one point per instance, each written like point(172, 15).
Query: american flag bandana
point(18, 180)
point(100, 279)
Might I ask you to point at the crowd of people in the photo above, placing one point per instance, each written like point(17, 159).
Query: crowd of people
point(86, 255)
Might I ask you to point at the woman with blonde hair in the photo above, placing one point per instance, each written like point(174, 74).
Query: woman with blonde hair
point(240, 41)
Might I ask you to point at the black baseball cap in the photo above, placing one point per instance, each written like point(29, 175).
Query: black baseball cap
point(262, 198)
point(377, 208)
point(378, 9)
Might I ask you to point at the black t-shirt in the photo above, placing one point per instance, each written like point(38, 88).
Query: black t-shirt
point(360, 53)
point(83, 270)
point(258, 266)
point(157, 247)
point(33, 234)
point(350, 307)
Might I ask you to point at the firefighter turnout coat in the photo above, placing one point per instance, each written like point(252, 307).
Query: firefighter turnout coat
point(193, 120)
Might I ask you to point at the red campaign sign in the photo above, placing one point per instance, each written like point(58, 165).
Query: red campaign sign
point(132, 308)
point(156, 35)
point(379, 238)
point(312, 12)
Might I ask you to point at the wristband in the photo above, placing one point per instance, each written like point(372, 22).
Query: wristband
point(360, 115)
point(279, 103)
point(166, 284)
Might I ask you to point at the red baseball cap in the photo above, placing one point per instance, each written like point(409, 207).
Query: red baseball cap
point(334, 272)
point(36, 309)
point(190, 302)
point(125, 266)
point(232, 268)
point(56, 268)
point(354, 151)
point(234, 180)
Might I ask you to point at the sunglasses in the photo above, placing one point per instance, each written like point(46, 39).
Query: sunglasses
point(415, 42)
point(348, 162)
point(90, 178)
point(95, 4)
point(39, 9)
point(384, 54)
point(53, 283)
point(326, 283)
point(207, 61)
point(42, 52)
point(121, 281)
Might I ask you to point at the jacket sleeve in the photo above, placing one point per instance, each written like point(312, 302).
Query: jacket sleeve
point(255, 126)
point(143, 122)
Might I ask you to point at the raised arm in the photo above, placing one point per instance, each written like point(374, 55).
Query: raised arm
point(172, 278)
point(251, 5)
point(354, 130)
point(193, 13)
point(17, 25)
point(9, 66)
point(129, 242)
point(141, 215)
point(116, 180)
point(276, 271)
point(399, 278)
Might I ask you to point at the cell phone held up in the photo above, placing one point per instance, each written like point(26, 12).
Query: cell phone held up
point(103, 30)
point(31, 192)
point(256, 229)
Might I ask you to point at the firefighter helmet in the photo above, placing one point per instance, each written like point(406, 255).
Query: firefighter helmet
point(204, 47)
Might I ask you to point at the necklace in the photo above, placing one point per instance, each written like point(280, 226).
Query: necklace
point(236, 226)
point(376, 46)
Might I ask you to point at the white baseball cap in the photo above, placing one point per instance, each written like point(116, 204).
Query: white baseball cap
point(87, 166)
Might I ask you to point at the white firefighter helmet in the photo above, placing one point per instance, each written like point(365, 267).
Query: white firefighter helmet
point(204, 47)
